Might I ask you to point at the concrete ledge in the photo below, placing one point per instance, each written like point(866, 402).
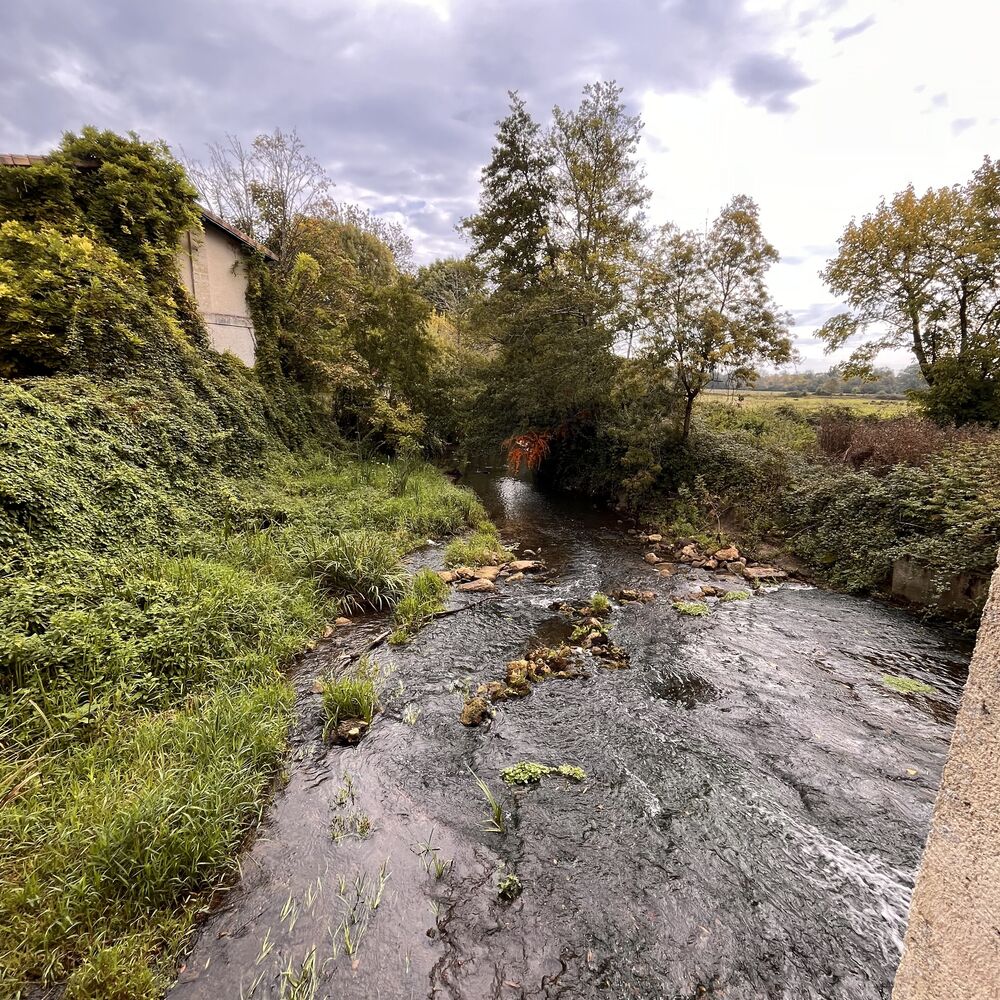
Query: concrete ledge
point(952, 947)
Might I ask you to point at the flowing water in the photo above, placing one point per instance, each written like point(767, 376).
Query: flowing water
point(751, 823)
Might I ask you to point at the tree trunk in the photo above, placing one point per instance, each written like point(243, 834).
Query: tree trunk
point(688, 408)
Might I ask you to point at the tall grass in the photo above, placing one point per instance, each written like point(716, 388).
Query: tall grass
point(354, 695)
point(143, 709)
point(424, 598)
point(481, 547)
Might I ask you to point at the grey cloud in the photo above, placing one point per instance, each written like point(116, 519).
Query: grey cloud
point(396, 100)
point(854, 29)
point(769, 80)
point(816, 314)
point(959, 125)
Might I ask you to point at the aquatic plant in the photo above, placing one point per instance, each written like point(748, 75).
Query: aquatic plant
point(735, 595)
point(509, 887)
point(494, 810)
point(600, 604)
point(354, 695)
point(906, 685)
point(356, 824)
point(528, 772)
point(424, 597)
point(694, 608)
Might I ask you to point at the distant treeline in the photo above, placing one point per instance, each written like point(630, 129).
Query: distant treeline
point(887, 385)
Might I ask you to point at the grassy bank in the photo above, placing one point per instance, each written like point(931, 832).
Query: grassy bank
point(846, 494)
point(166, 553)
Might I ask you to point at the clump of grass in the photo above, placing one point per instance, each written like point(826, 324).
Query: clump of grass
point(494, 810)
point(509, 887)
point(480, 548)
point(424, 598)
point(694, 608)
point(355, 824)
point(906, 685)
point(430, 858)
point(355, 695)
point(529, 772)
point(600, 604)
point(736, 595)
point(359, 569)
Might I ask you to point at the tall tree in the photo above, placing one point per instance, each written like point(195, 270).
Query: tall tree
point(510, 233)
point(923, 272)
point(600, 194)
point(707, 306)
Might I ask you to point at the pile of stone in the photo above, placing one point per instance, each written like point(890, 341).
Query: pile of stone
point(483, 579)
point(727, 559)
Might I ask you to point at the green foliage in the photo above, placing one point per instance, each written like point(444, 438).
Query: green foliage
point(354, 695)
point(424, 597)
point(600, 604)
point(495, 822)
point(360, 569)
point(906, 685)
point(694, 608)
point(152, 584)
point(921, 271)
point(528, 772)
point(509, 887)
point(480, 548)
point(735, 595)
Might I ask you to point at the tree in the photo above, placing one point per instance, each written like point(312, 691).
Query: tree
point(707, 307)
point(600, 193)
point(923, 271)
point(510, 234)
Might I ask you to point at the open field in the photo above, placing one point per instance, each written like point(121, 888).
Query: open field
point(862, 405)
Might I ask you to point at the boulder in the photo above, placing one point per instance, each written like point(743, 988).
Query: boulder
point(526, 566)
point(652, 558)
point(665, 569)
point(730, 552)
point(343, 621)
point(486, 573)
point(475, 711)
point(654, 538)
point(479, 586)
point(515, 576)
point(464, 573)
point(711, 564)
point(689, 553)
point(448, 575)
point(764, 573)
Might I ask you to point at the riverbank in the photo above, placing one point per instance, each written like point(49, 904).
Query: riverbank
point(167, 556)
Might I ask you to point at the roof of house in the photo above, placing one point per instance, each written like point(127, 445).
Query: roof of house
point(30, 159)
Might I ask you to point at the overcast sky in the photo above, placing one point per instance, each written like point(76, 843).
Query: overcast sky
point(815, 109)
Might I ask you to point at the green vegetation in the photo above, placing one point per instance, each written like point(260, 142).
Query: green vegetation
point(736, 595)
point(480, 548)
point(424, 598)
point(495, 822)
point(694, 608)
point(353, 695)
point(906, 685)
point(600, 604)
point(174, 528)
point(509, 887)
point(529, 772)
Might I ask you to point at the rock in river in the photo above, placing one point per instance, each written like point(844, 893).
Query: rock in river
point(479, 586)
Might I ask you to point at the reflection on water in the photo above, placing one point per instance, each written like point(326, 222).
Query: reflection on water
point(750, 826)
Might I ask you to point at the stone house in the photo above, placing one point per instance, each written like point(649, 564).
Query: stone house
point(212, 267)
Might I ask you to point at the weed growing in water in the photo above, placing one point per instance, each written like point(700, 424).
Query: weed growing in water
point(411, 714)
point(509, 887)
point(599, 604)
point(361, 898)
point(354, 696)
point(424, 598)
point(355, 824)
point(529, 772)
point(430, 858)
point(906, 685)
point(694, 608)
point(494, 810)
point(735, 595)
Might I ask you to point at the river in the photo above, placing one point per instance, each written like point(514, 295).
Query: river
point(750, 826)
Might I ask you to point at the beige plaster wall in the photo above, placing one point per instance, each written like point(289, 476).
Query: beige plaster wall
point(211, 267)
point(952, 948)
